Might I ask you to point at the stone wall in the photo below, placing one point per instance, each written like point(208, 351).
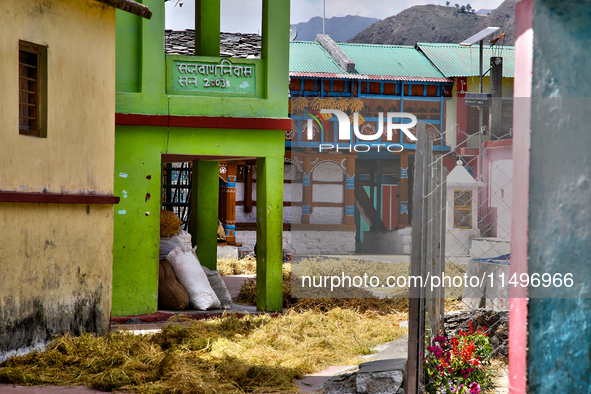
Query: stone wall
point(308, 242)
point(315, 242)
point(248, 239)
point(387, 242)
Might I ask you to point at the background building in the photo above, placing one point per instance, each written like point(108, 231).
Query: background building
point(361, 195)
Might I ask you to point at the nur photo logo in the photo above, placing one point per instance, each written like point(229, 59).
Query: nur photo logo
point(394, 121)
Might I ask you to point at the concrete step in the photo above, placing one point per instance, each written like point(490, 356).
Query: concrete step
point(383, 373)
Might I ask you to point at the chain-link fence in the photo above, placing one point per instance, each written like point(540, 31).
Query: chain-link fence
point(461, 248)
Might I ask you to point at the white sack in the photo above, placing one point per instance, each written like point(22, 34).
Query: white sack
point(182, 239)
point(189, 272)
point(219, 287)
point(217, 284)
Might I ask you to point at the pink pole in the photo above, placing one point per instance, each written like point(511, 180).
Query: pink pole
point(521, 165)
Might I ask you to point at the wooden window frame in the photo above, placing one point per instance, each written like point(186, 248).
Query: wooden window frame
point(464, 210)
point(32, 82)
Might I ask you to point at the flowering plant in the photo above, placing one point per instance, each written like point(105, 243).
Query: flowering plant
point(458, 364)
point(473, 388)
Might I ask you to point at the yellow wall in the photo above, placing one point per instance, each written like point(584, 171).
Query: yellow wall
point(473, 85)
point(451, 104)
point(56, 259)
point(77, 154)
point(451, 107)
point(56, 270)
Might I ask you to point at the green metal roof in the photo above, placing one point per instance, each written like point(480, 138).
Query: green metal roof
point(310, 57)
point(389, 62)
point(455, 60)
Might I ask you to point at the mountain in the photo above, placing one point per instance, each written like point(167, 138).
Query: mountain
point(339, 28)
point(484, 11)
point(434, 23)
point(504, 17)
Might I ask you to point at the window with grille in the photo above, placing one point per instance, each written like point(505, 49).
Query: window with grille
point(32, 89)
point(462, 209)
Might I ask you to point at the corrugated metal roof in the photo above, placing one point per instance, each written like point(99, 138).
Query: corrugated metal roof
point(309, 56)
point(454, 60)
point(375, 62)
point(368, 77)
point(390, 60)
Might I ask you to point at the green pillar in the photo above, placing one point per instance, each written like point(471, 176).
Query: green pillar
point(269, 234)
point(275, 48)
point(207, 29)
point(153, 66)
point(204, 211)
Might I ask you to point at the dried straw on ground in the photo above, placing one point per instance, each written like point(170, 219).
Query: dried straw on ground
point(357, 299)
point(256, 354)
point(337, 267)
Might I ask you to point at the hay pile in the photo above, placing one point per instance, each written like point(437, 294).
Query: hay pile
point(356, 299)
point(248, 291)
point(170, 224)
point(230, 266)
point(257, 354)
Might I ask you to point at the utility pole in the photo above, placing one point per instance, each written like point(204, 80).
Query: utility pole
point(323, 14)
point(479, 38)
point(480, 111)
point(481, 61)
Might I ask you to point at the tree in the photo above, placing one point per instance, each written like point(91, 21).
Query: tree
point(457, 5)
point(463, 9)
point(468, 7)
point(447, 3)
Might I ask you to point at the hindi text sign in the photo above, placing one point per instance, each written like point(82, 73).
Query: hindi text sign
point(223, 77)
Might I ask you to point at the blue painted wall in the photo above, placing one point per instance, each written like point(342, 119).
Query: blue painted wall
point(559, 329)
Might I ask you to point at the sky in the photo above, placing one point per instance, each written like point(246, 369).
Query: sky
point(244, 16)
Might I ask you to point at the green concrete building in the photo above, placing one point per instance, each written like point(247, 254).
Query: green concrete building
point(202, 109)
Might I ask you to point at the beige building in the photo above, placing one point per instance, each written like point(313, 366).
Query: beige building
point(57, 133)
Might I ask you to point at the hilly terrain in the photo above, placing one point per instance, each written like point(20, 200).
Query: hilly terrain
point(338, 28)
point(484, 11)
point(434, 23)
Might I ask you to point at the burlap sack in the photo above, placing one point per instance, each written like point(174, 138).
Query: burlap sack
point(170, 224)
point(171, 294)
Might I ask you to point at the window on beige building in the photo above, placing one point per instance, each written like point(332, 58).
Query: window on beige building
point(32, 89)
